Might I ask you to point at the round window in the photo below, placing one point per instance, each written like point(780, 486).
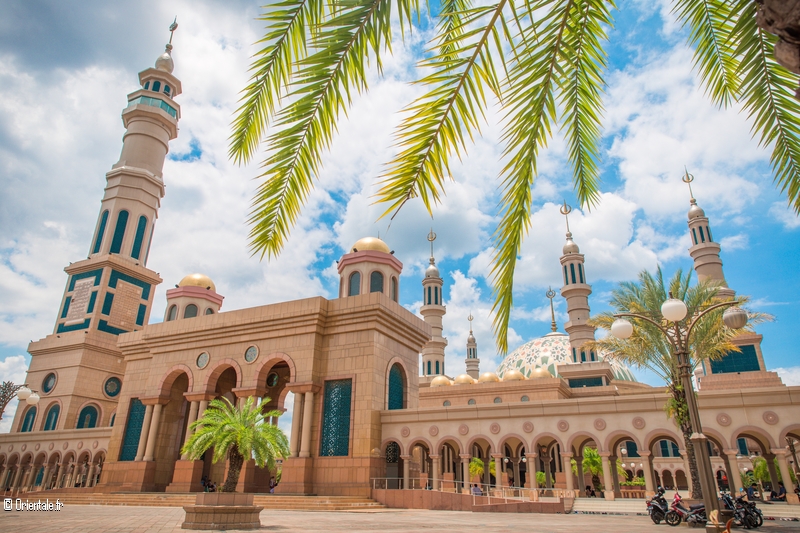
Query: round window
point(272, 379)
point(471, 402)
point(446, 403)
point(251, 354)
point(112, 387)
point(498, 400)
point(49, 382)
point(524, 399)
point(202, 360)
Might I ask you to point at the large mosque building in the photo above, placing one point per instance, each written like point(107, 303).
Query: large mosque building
point(371, 398)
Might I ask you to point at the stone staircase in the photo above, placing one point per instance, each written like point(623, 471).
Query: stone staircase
point(267, 501)
point(603, 506)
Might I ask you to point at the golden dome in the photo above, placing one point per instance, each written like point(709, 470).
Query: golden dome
point(541, 372)
point(370, 243)
point(198, 280)
point(464, 379)
point(513, 375)
point(488, 377)
point(440, 381)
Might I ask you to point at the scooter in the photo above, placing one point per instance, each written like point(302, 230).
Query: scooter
point(657, 506)
point(745, 513)
point(678, 513)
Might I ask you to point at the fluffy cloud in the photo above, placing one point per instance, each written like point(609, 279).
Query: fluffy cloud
point(789, 375)
point(784, 215)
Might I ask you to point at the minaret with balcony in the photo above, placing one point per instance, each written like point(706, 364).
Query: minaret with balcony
point(472, 361)
point(432, 312)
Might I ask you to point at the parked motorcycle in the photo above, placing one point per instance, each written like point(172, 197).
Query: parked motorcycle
point(657, 506)
point(678, 513)
point(745, 513)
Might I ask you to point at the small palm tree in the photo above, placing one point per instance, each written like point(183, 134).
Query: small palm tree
point(593, 464)
point(477, 468)
point(237, 433)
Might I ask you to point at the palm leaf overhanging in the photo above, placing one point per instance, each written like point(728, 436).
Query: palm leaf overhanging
point(541, 61)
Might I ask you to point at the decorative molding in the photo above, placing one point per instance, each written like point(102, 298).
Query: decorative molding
point(638, 422)
point(463, 429)
point(562, 425)
point(405, 432)
point(95, 444)
point(80, 445)
point(770, 417)
point(433, 431)
point(495, 428)
point(527, 427)
point(723, 419)
point(65, 446)
point(599, 424)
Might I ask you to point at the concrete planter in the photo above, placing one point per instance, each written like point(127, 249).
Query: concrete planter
point(222, 511)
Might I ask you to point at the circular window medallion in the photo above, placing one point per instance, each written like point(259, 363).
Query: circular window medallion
point(563, 425)
point(272, 379)
point(770, 417)
point(723, 419)
point(638, 422)
point(495, 428)
point(112, 387)
point(527, 427)
point(463, 429)
point(599, 424)
point(202, 360)
point(10, 447)
point(251, 354)
point(524, 399)
point(433, 431)
point(405, 432)
point(471, 401)
point(446, 403)
point(49, 383)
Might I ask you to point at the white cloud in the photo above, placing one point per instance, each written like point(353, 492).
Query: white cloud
point(785, 215)
point(739, 241)
point(789, 375)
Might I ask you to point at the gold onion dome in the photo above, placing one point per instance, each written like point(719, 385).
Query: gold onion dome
point(198, 280)
point(370, 243)
point(440, 381)
point(538, 373)
point(464, 379)
point(488, 377)
point(513, 375)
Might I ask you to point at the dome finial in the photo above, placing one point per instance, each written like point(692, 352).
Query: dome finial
point(550, 295)
point(566, 210)
point(570, 247)
point(431, 238)
point(688, 179)
point(164, 61)
point(172, 28)
point(470, 318)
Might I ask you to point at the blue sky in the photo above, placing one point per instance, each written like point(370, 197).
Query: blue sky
point(65, 72)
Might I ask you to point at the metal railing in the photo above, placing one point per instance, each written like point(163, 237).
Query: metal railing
point(490, 493)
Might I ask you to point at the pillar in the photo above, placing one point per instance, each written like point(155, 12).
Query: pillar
point(773, 474)
point(436, 465)
point(608, 481)
point(515, 462)
point(465, 478)
point(297, 415)
point(615, 475)
point(732, 469)
point(533, 463)
point(406, 471)
point(17, 477)
point(59, 471)
point(647, 468)
point(686, 470)
point(45, 476)
point(193, 408)
point(153, 434)
point(143, 434)
point(783, 465)
point(566, 461)
point(498, 469)
point(581, 476)
point(305, 437)
point(26, 477)
point(70, 476)
point(487, 472)
point(90, 476)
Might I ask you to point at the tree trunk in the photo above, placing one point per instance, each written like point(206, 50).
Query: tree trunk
point(235, 462)
point(682, 417)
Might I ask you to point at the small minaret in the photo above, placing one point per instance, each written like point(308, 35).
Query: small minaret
point(473, 363)
point(576, 291)
point(704, 250)
point(432, 311)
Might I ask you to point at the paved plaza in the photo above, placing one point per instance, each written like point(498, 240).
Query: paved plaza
point(120, 519)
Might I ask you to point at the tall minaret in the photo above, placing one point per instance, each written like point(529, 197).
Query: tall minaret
point(704, 250)
point(111, 291)
point(576, 291)
point(473, 363)
point(432, 311)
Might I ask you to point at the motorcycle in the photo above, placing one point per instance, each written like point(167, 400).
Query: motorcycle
point(657, 506)
point(678, 513)
point(745, 513)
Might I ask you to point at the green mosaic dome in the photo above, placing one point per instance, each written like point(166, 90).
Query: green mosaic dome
point(548, 352)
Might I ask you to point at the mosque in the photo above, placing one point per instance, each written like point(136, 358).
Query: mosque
point(371, 398)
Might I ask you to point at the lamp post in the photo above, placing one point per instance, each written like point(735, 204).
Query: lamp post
point(7, 391)
point(678, 334)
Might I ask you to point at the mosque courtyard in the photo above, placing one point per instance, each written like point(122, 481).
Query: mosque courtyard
point(120, 519)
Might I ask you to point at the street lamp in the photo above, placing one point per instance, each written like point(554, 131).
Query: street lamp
point(7, 391)
point(673, 312)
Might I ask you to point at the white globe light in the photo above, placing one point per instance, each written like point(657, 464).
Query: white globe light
point(735, 317)
point(23, 393)
point(621, 328)
point(33, 399)
point(674, 310)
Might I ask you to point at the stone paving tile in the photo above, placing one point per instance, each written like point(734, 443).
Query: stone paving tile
point(120, 519)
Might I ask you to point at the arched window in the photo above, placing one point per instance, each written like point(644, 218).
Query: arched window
point(708, 230)
point(119, 232)
point(354, 284)
point(166, 89)
point(113, 417)
point(694, 234)
point(429, 296)
point(147, 86)
point(376, 282)
point(173, 313)
point(580, 272)
point(566, 279)
point(101, 230)
point(156, 86)
point(394, 288)
point(429, 368)
point(437, 367)
point(702, 235)
point(87, 418)
point(572, 271)
point(190, 311)
point(136, 251)
point(51, 420)
point(396, 387)
point(30, 418)
point(209, 311)
point(436, 295)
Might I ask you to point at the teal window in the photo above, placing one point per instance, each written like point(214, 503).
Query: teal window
point(572, 271)
point(702, 235)
point(429, 368)
point(101, 230)
point(437, 368)
point(140, 315)
point(112, 387)
point(694, 235)
point(436, 295)
point(190, 311)
point(113, 417)
point(669, 449)
point(136, 251)
point(744, 361)
point(209, 311)
point(108, 302)
point(630, 446)
point(580, 272)
point(429, 296)
point(27, 422)
point(149, 242)
point(156, 86)
point(585, 382)
point(376, 282)
point(396, 387)
point(87, 418)
point(67, 301)
point(92, 301)
point(146, 85)
point(173, 313)
point(574, 355)
point(354, 285)
point(741, 443)
point(49, 383)
point(133, 430)
point(119, 232)
point(39, 476)
point(708, 231)
point(335, 441)
point(166, 89)
point(394, 288)
point(583, 356)
point(51, 420)
point(566, 279)
point(154, 102)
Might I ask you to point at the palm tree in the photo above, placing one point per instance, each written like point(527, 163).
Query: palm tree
point(477, 468)
point(540, 62)
point(237, 433)
point(648, 348)
point(593, 464)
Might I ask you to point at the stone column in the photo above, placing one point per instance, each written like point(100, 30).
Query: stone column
point(90, 476)
point(406, 471)
point(17, 477)
point(498, 469)
point(773, 474)
point(153, 434)
point(59, 471)
point(148, 416)
point(687, 471)
point(297, 415)
point(25, 477)
point(783, 465)
point(566, 461)
point(608, 481)
point(581, 476)
point(436, 463)
point(465, 478)
point(45, 476)
point(515, 463)
point(202, 408)
point(615, 475)
point(533, 463)
point(70, 473)
point(308, 413)
point(734, 475)
point(647, 468)
point(193, 408)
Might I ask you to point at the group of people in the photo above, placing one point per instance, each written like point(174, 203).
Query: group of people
point(779, 496)
point(208, 485)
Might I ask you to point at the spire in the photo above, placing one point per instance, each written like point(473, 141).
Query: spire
point(570, 247)
point(550, 295)
point(432, 311)
point(164, 61)
point(472, 361)
point(432, 271)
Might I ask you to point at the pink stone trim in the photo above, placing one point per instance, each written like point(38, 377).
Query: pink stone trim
point(168, 379)
point(615, 437)
point(369, 256)
point(263, 368)
point(195, 292)
point(217, 371)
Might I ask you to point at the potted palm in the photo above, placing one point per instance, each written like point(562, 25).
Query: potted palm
point(238, 434)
